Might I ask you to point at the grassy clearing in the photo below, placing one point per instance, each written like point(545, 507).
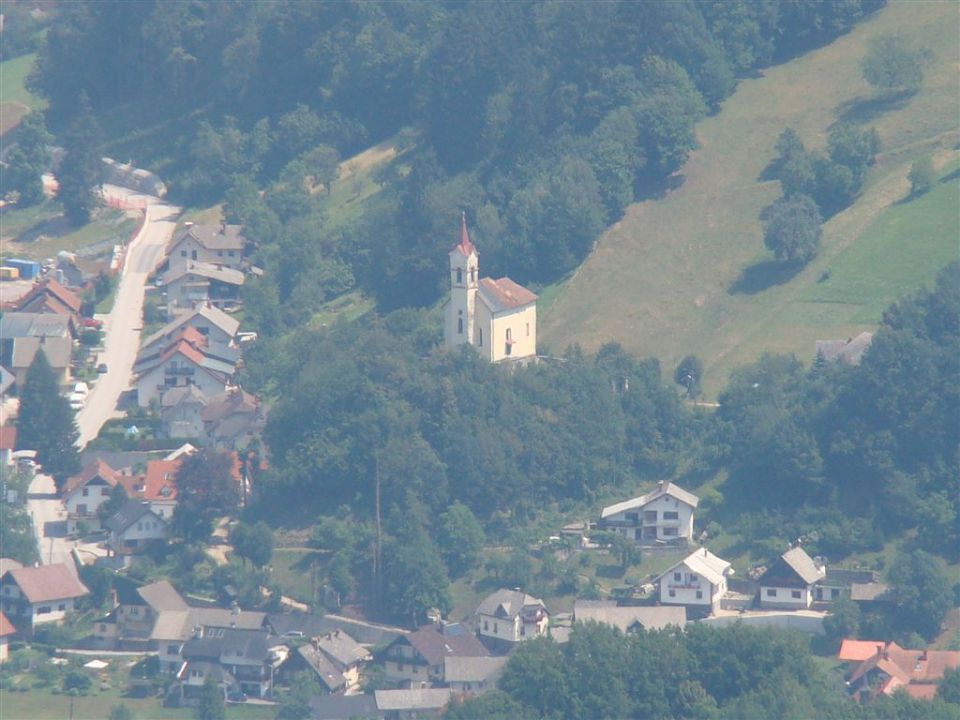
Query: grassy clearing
point(291, 569)
point(41, 232)
point(13, 75)
point(661, 282)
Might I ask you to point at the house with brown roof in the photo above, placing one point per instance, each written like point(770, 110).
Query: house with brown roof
point(232, 420)
point(34, 595)
point(789, 583)
point(418, 657)
point(188, 359)
point(84, 493)
point(8, 443)
point(6, 630)
point(207, 243)
point(157, 487)
point(497, 317)
point(49, 296)
point(211, 322)
point(890, 668)
point(663, 515)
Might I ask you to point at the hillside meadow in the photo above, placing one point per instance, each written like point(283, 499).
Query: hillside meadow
point(687, 273)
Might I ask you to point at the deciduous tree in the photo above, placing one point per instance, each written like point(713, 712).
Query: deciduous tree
point(892, 65)
point(791, 229)
point(206, 490)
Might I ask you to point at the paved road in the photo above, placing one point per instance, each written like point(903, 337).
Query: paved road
point(122, 327)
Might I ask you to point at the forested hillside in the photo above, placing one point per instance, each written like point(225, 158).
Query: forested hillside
point(541, 119)
point(847, 457)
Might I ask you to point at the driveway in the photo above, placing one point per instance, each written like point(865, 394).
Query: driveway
point(49, 521)
point(123, 324)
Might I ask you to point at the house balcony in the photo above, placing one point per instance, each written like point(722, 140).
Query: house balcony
point(179, 370)
point(684, 586)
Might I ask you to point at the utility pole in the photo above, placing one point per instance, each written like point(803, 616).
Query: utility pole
point(376, 553)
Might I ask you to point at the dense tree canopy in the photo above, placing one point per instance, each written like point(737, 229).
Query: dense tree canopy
point(892, 65)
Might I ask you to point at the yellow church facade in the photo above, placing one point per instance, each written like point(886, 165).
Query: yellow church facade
point(497, 317)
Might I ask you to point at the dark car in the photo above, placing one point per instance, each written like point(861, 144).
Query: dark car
point(102, 368)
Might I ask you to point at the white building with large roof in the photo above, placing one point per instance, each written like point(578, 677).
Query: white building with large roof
point(697, 581)
point(664, 514)
point(497, 317)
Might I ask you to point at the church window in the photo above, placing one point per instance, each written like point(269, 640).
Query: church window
point(509, 344)
point(528, 329)
point(460, 326)
point(459, 275)
point(481, 337)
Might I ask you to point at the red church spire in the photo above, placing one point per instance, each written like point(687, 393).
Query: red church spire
point(465, 246)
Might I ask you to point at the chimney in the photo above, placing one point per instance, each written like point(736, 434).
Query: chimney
point(660, 485)
point(223, 226)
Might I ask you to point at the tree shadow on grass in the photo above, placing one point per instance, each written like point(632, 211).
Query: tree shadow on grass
point(650, 188)
point(763, 275)
point(864, 110)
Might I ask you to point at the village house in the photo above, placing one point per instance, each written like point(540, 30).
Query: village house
point(83, 495)
point(698, 581)
point(217, 326)
point(663, 515)
point(857, 585)
point(188, 359)
point(173, 628)
point(207, 243)
point(629, 618)
point(497, 317)
point(789, 583)
point(23, 351)
point(243, 656)
point(411, 704)
point(134, 526)
point(181, 411)
point(6, 631)
point(132, 621)
point(335, 658)
point(880, 669)
point(233, 420)
point(49, 296)
point(157, 487)
point(418, 657)
point(201, 284)
point(34, 595)
point(507, 617)
point(473, 675)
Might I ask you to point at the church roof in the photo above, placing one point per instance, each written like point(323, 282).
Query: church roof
point(464, 247)
point(505, 294)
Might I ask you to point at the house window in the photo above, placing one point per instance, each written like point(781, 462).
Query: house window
point(173, 649)
point(795, 594)
point(771, 592)
point(834, 593)
point(673, 593)
point(486, 625)
point(86, 492)
point(231, 253)
point(677, 577)
point(61, 607)
point(399, 667)
point(670, 532)
point(183, 253)
point(43, 610)
point(495, 630)
point(693, 577)
point(459, 276)
point(103, 627)
point(632, 517)
point(416, 670)
point(670, 515)
point(481, 337)
point(193, 254)
point(508, 346)
point(104, 492)
point(219, 253)
point(523, 630)
point(649, 515)
point(528, 329)
point(699, 594)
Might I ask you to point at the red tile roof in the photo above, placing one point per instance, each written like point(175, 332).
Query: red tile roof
point(51, 289)
point(98, 468)
point(903, 668)
point(6, 627)
point(465, 247)
point(506, 293)
point(8, 437)
point(160, 481)
point(858, 650)
point(47, 582)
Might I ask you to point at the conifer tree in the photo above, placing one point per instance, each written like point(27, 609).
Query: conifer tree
point(46, 423)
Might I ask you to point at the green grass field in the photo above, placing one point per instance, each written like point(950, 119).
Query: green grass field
point(669, 278)
point(41, 231)
point(15, 100)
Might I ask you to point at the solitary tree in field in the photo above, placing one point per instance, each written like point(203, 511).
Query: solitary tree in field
point(27, 162)
point(46, 422)
point(688, 374)
point(791, 228)
point(921, 176)
point(892, 66)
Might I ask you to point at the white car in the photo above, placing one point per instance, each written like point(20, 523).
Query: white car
point(76, 400)
point(81, 389)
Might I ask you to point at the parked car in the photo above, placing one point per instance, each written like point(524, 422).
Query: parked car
point(76, 401)
point(102, 368)
point(91, 323)
point(81, 388)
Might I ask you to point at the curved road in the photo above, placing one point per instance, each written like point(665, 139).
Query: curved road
point(122, 329)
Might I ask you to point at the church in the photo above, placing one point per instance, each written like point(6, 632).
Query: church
point(497, 317)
